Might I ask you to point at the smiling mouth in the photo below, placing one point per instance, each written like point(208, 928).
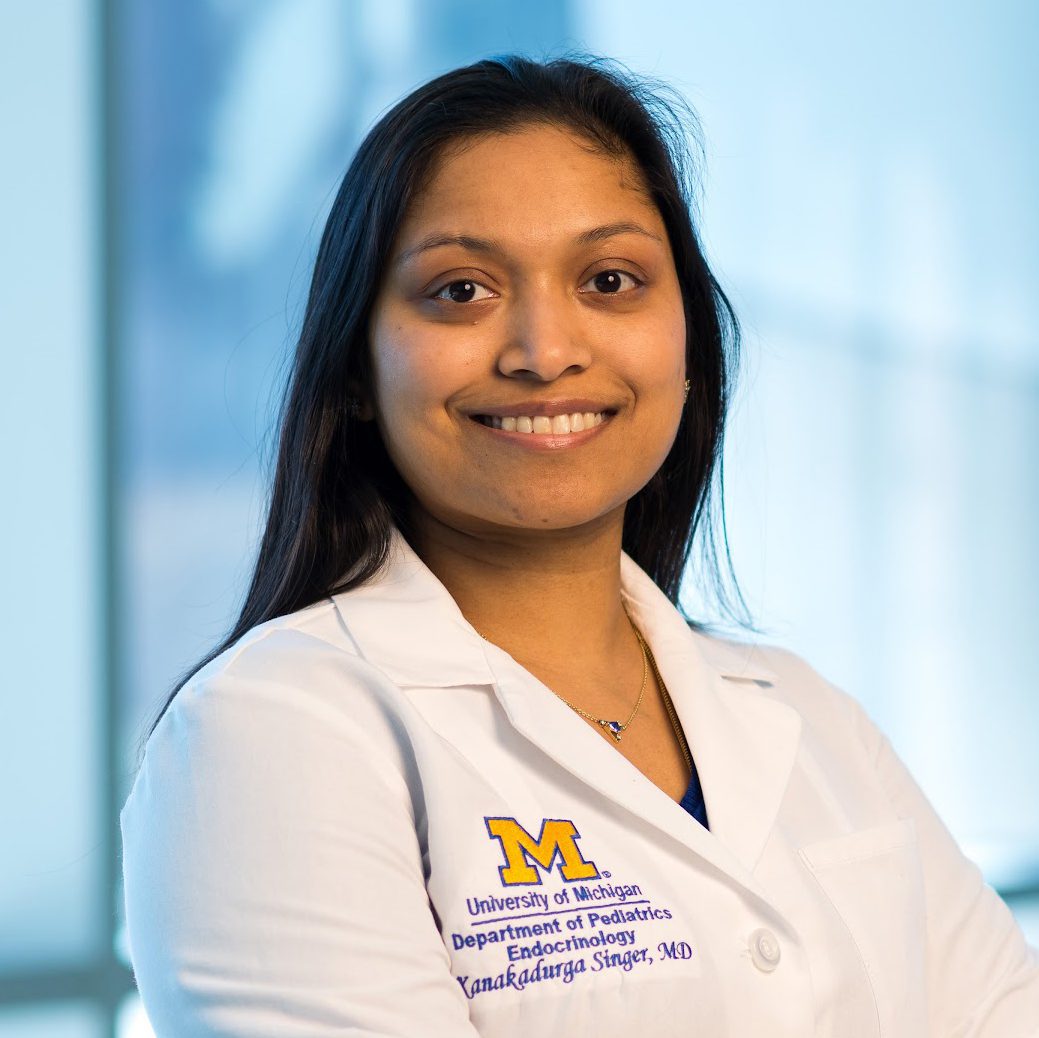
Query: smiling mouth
point(542, 425)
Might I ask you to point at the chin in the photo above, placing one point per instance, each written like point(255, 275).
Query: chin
point(556, 515)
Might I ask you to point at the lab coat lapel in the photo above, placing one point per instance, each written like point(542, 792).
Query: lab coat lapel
point(555, 730)
point(743, 745)
point(406, 623)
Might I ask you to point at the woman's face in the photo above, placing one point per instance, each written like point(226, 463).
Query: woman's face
point(531, 278)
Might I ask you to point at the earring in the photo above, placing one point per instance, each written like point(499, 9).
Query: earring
point(353, 407)
point(686, 390)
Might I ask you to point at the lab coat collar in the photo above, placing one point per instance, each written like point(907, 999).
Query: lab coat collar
point(441, 648)
point(406, 623)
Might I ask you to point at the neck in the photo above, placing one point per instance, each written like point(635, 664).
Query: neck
point(551, 596)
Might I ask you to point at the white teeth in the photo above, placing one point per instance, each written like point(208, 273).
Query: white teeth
point(557, 425)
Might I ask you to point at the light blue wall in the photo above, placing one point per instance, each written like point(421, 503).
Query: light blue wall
point(50, 769)
point(67, 1021)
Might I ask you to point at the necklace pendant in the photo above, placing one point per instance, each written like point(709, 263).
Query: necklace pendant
point(614, 728)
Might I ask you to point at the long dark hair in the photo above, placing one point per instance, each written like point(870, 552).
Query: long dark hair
point(335, 493)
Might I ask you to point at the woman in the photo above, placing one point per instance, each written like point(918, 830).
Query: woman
point(462, 767)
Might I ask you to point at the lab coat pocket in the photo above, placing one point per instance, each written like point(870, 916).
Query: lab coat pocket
point(873, 879)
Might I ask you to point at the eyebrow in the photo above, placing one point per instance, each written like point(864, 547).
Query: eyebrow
point(491, 247)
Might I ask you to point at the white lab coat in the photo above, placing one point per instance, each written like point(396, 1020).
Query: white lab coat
point(363, 819)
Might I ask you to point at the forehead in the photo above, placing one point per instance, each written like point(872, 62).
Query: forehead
point(535, 179)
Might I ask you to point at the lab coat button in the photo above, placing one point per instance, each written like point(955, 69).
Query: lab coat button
point(764, 950)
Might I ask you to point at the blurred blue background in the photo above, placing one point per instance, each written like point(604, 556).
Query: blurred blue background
point(868, 202)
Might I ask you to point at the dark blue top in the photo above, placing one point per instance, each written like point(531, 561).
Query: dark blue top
point(693, 800)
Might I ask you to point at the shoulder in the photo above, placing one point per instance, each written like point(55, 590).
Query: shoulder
point(777, 673)
point(308, 649)
point(763, 664)
point(308, 638)
point(295, 681)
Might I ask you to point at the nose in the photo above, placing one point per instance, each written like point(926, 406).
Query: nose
point(545, 339)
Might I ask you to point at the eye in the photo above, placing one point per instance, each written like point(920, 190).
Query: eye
point(462, 291)
point(611, 282)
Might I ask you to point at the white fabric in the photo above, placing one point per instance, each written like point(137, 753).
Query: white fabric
point(310, 849)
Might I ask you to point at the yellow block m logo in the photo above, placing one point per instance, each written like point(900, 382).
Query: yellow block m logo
point(556, 841)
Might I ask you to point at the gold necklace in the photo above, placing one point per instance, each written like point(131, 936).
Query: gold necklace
point(668, 705)
point(617, 728)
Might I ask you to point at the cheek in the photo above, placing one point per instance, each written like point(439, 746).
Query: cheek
point(656, 359)
point(402, 369)
point(415, 375)
point(675, 332)
point(391, 362)
point(419, 367)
